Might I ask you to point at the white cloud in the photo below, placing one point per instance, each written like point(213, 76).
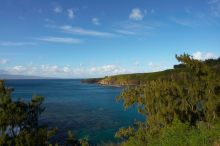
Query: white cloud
point(136, 14)
point(10, 43)
point(87, 32)
point(50, 69)
point(203, 55)
point(125, 32)
point(3, 61)
point(81, 71)
point(42, 70)
point(17, 69)
point(134, 28)
point(58, 9)
point(66, 69)
point(182, 21)
point(155, 66)
point(47, 70)
point(71, 14)
point(193, 20)
point(151, 64)
point(108, 70)
point(137, 26)
point(95, 21)
point(61, 40)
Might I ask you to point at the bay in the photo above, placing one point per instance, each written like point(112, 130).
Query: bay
point(89, 110)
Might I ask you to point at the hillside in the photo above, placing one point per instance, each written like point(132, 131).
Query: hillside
point(130, 79)
point(135, 79)
point(141, 78)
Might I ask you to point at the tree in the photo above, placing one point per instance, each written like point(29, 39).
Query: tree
point(19, 120)
point(190, 96)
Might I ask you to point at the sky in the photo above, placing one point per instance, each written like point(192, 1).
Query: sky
point(95, 38)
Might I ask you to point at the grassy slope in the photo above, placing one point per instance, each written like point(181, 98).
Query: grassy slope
point(92, 80)
point(141, 78)
point(138, 78)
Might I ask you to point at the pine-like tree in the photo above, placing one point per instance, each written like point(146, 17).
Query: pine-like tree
point(191, 96)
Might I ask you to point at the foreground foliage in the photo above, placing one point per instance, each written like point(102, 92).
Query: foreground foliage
point(181, 109)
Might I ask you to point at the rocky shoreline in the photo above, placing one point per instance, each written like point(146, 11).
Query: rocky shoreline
point(107, 81)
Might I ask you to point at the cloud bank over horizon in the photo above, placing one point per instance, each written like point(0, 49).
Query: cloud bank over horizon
point(81, 71)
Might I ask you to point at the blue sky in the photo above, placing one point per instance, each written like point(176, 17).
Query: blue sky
point(93, 38)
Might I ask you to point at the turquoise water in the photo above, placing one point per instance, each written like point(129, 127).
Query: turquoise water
point(87, 109)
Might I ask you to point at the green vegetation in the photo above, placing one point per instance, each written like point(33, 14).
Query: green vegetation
point(143, 78)
point(129, 79)
point(91, 80)
point(135, 79)
point(181, 109)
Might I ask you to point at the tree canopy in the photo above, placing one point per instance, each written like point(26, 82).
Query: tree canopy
point(189, 98)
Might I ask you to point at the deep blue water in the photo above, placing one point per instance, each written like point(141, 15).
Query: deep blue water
point(87, 109)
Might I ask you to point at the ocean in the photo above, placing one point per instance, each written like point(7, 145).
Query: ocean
point(89, 110)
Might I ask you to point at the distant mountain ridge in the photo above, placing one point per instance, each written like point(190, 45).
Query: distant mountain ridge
point(10, 76)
